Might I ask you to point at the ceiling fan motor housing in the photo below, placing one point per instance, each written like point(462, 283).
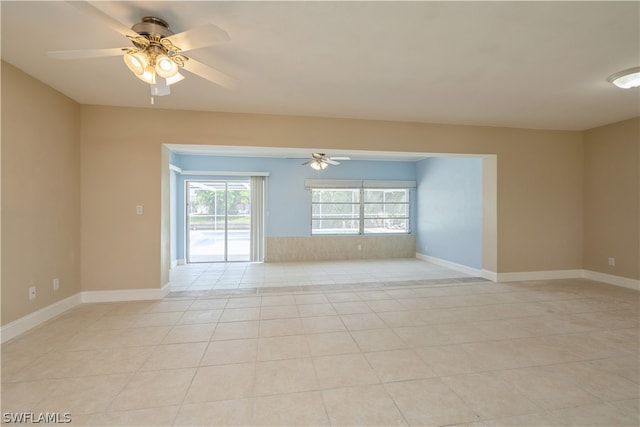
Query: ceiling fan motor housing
point(152, 26)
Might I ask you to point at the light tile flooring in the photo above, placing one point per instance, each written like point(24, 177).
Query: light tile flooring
point(544, 353)
point(203, 279)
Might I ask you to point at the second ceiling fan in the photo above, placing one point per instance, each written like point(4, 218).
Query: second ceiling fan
point(320, 161)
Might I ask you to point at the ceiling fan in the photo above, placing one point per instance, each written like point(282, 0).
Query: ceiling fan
point(320, 161)
point(156, 55)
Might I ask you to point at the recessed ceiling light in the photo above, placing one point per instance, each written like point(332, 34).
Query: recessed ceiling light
point(626, 79)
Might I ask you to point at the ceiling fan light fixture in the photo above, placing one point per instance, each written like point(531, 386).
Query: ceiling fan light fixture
point(318, 165)
point(165, 67)
point(148, 76)
point(626, 79)
point(137, 62)
point(174, 79)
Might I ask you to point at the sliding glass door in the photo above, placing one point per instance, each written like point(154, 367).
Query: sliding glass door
point(218, 221)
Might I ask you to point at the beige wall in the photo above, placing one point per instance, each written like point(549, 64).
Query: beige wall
point(612, 199)
point(120, 169)
point(40, 194)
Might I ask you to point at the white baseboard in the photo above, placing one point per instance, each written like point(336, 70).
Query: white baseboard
point(122, 295)
point(539, 275)
point(612, 280)
point(31, 320)
point(570, 274)
point(524, 276)
point(490, 275)
point(453, 266)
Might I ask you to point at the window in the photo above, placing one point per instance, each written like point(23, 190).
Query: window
point(335, 211)
point(386, 210)
point(359, 210)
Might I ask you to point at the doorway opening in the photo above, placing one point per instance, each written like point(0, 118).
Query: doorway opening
point(218, 221)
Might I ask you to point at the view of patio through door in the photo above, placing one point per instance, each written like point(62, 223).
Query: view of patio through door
point(218, 221)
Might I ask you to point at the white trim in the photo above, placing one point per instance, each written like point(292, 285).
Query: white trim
point(524, 276)
point(386, 183)
point(539, 275)
point(122, 295)
point(625, 282)
point(332, 183)
point(175, 168)
point(181, 261)
point(452, 265)
point(224, 173)
point(490, 275)
point(31, 320)
point(357, 183)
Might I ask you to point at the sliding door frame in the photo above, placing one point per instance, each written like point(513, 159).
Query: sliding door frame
point(187, 200)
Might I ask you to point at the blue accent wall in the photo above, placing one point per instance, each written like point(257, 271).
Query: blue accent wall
point(288, 204)
point(449, 209)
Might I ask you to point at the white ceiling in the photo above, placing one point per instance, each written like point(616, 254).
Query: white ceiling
point(516, 64)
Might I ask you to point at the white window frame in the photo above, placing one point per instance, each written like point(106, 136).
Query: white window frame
point(361, 186)
point(364, 218)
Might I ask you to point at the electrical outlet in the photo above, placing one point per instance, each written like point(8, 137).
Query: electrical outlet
point(612, 262)
point(32, 293)
point(359, 247)
point(139, 210)
point(56, 284)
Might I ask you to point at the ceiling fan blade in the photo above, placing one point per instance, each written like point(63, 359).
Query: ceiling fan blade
point(331, 161)
point(209, 73)
point(199, 37)
point(84, 53)
point(113, 23)
point(308, 161)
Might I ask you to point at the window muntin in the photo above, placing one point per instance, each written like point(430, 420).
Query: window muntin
point(359, 210)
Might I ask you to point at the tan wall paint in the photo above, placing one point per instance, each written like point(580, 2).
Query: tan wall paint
point(120, 169)
point(539, 180)
point(612, 199)
point(40, 194)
